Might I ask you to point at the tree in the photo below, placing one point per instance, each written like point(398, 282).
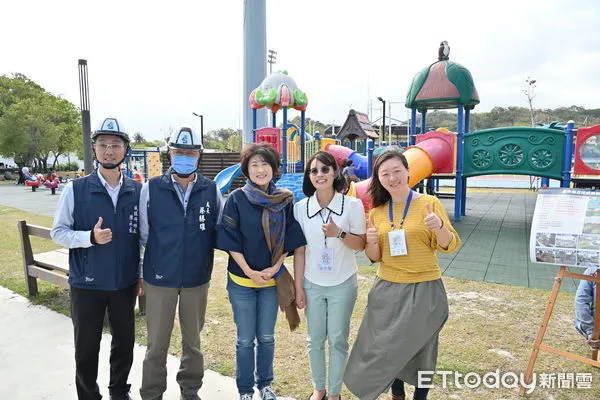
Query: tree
point(529, 91)
point(138, 138)
point(34, 123)
point(220, 139)
point(234, 142)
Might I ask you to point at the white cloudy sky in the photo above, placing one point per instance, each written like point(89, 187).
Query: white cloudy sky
point(151, 66)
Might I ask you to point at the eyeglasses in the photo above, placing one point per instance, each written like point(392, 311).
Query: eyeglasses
point(115, 146)
point(324, 170)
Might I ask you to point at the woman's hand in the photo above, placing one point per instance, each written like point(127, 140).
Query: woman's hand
point(300, 298)
point(432, 221)
point(372, 233)
point(258, 278)
point(270, 272)
point(330, 229)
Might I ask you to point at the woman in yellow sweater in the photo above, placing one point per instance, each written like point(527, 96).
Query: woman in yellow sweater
point(407, 305)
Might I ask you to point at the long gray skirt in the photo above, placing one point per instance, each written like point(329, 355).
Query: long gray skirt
point(398, 336)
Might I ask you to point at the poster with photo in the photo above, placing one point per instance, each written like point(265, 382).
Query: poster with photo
point(566, 228)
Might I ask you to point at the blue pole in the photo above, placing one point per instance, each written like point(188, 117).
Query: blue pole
point(424, 121)
point(371, 147)
point(463, 205)
point(413, 126)
point(274, 120)
point(284, 142)
point(459, 166)
point(566, 173)
point(254, 125)
point(145, 177)
point(365, 147)
point(302, 139)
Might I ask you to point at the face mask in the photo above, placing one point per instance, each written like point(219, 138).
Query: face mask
point(184, 166)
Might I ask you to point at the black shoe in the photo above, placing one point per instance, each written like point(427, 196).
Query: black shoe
point(124, 396)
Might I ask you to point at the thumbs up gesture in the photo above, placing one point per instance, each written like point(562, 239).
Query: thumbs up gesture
point(101, 236)
point(330, 229)
point(432, 221)
point(372, 233)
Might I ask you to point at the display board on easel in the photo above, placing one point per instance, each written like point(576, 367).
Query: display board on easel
point(565, 231)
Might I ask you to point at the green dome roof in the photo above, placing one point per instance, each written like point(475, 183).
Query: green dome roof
point(443, 84)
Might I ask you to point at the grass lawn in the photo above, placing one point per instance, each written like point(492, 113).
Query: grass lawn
point(491, 327)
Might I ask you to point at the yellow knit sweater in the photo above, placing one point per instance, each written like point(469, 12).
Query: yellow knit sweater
point(421, 262)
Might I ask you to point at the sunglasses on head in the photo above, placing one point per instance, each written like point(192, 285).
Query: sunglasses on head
point(324, 170)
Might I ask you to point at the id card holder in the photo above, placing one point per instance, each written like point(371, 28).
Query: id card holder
point(326, 260)
point(397, 243)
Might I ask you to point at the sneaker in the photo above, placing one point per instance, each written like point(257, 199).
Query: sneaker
point(246, 396)
point(267, 393)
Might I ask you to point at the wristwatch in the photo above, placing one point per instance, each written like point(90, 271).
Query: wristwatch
point(342, 234)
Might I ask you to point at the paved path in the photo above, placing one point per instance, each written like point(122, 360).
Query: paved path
point(19, 196)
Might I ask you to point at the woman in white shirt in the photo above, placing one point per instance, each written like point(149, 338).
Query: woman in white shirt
point(325, 269)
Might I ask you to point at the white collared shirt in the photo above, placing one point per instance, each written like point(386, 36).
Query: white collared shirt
point(348, 213)
point(113, 192)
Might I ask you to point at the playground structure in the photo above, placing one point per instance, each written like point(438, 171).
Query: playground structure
point(147, 163)
point(568, 155)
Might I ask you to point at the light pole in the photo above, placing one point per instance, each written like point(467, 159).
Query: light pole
point(272, 59)
point(84, 97)
point(201, 127)
point(529, 91)
point(393, 119)
point(383, 119)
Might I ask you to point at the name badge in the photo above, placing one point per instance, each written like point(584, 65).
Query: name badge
point(397, 243)
point(326, 260)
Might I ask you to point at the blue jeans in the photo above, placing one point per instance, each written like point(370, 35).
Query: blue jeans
point(328, 312)
point(255, 315)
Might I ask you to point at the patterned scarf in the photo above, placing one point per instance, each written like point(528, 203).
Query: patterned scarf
point(274, 222)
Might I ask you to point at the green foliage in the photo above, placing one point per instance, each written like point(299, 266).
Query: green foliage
point(224, 140)
point(147, 143)
point(35, 124)
point(68, 166)
point(138, 138)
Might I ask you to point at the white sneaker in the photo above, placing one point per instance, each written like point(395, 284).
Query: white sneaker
point(267, 393)
point(245, 396)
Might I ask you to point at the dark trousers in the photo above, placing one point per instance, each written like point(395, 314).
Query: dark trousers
point(398, 390)
point(87, 311)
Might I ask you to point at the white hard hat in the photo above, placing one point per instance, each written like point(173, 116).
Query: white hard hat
point(110, 126)
point(185, 138)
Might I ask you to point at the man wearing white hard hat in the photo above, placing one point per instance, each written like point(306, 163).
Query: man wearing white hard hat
point(97, 220)
point(179, 212)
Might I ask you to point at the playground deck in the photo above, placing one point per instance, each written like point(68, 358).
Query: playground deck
point(495, 236)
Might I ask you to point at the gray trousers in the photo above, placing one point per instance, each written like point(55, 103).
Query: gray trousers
point(161, 306)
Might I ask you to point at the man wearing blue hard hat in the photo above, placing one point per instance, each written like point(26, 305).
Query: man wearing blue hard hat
point(179, 212)
point(97, 220)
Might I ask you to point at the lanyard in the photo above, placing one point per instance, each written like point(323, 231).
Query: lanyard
point(324, 222)
point(181, 192)
point(391, 210)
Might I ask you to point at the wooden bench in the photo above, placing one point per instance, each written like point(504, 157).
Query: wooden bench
point(50, 266)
